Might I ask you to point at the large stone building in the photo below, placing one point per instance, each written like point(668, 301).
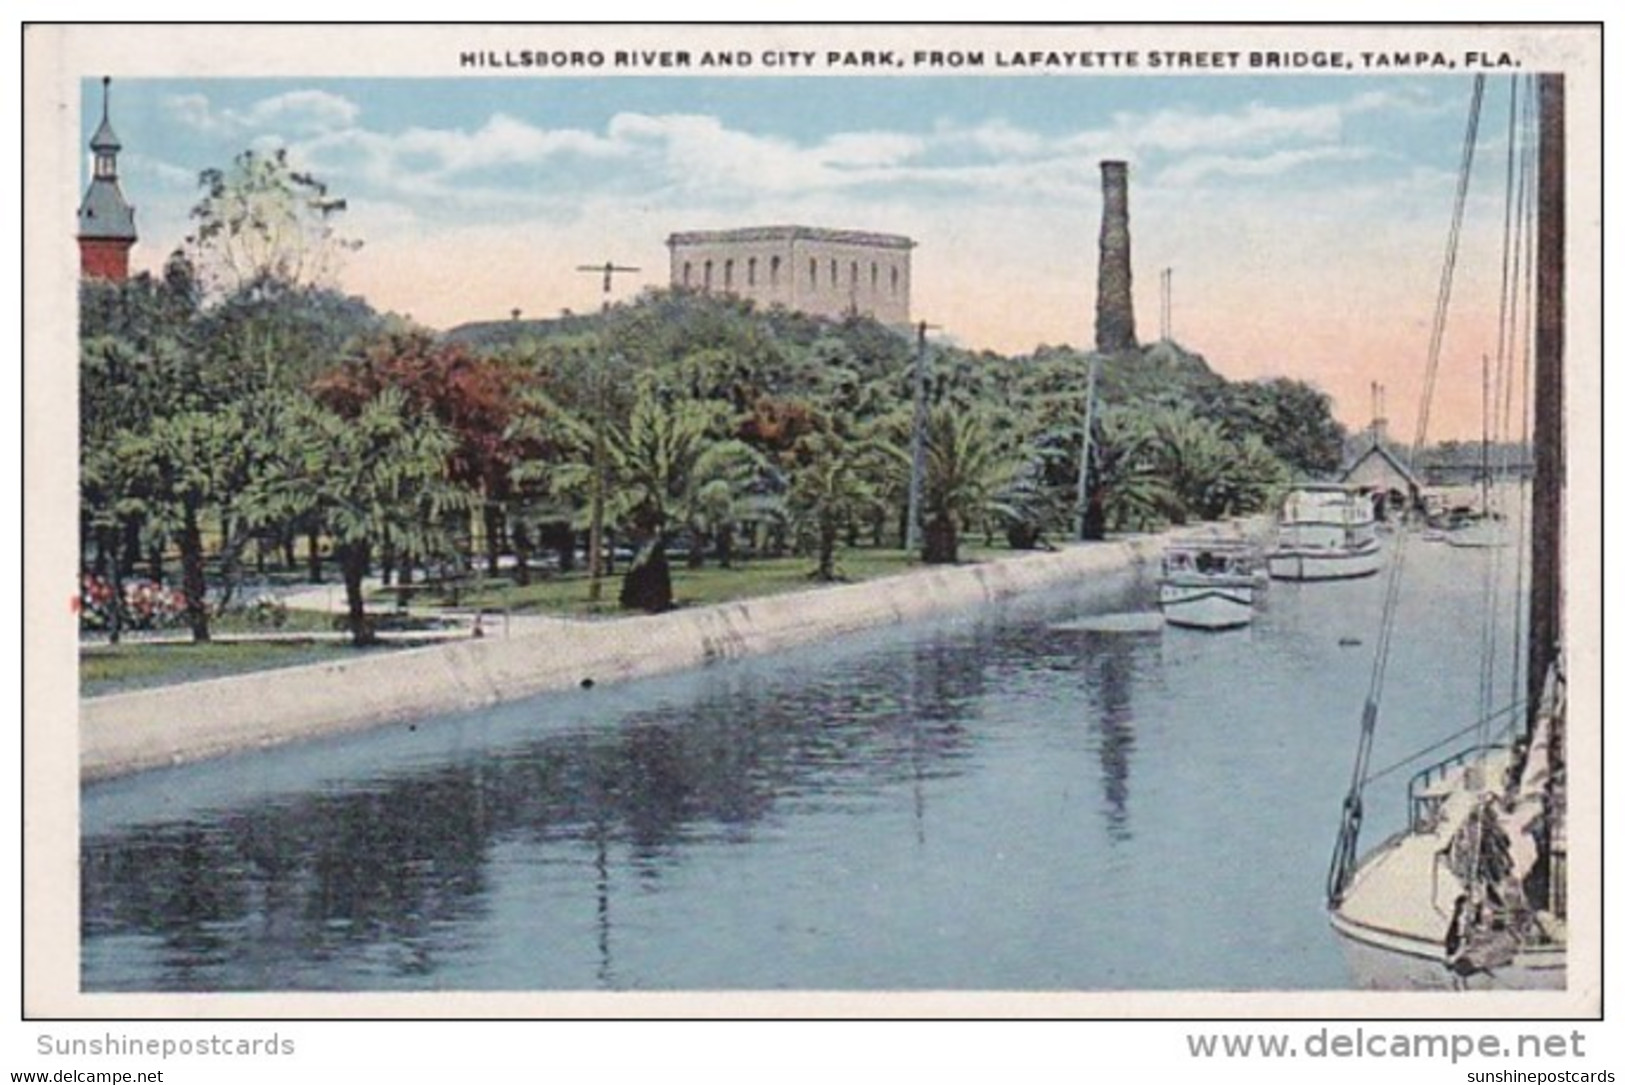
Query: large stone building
point(106, 219)
point(830, 273)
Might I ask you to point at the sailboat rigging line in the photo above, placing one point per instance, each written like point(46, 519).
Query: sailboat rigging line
point(1524, 343)
point(1445, 742)
point(1448, 273)
point(1494, 420)
point(1346, 850)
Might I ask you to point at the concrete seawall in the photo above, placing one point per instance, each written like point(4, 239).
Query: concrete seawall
point(131, 732)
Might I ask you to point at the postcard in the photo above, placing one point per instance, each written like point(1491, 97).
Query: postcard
point(813, 521)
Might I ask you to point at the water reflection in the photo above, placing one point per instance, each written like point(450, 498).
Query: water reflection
point(381, 877)
point(1111, 687)
point(1009, 801)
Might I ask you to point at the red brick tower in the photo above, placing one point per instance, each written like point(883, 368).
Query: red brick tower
point(106, 220)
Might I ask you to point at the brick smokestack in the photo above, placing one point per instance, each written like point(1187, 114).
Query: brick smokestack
point(1114, 300)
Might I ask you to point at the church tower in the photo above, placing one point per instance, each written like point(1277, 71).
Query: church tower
point(106, 220)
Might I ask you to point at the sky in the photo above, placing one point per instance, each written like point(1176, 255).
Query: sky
point(1304, 219)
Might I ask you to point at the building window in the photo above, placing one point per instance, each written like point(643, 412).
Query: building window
point(874, 278)
point(854, 280)
point(773, 271)
point(750, 272)
point(894, 279)
point(812, 273)
point(688, 272)
point(727, 275)
point(708, 274)
point(834, 275)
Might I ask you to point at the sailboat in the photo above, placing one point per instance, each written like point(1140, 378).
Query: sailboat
point(1472, 892)
point(1488, 527)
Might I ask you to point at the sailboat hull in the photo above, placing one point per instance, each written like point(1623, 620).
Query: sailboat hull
point(1384, 960)
point(1394, 914)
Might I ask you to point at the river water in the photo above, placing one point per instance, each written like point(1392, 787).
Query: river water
point(1019, 798)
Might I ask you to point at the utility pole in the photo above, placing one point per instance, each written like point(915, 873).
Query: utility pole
point(916, 477)
point(1083, 451)
point(595, 536)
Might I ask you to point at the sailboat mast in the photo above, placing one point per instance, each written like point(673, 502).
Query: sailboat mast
point(1484, 442)
point(1546, 574)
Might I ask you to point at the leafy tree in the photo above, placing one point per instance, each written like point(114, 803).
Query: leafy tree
point(137, 365)
point(261, 221)
point(378, 480)
point(476, 399)
point(1292, 418)
point(1210, 476)
point(671, 466)
point(278, 335)
point(187, 463)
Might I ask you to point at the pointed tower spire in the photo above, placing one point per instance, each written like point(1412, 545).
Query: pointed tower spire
point(106, 220)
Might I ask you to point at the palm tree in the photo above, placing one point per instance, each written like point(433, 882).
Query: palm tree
point(378, 481)
point(966, 471)
point(832, 492)
point(1210, 475)
point(188, 463)
point(673, 469)
point(1126, 484)
point(669, 467)
point(1194, 457)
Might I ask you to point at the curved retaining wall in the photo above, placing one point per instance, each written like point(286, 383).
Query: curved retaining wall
point(129, 732)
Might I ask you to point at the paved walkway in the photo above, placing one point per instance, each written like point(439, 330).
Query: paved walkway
point(330, 599)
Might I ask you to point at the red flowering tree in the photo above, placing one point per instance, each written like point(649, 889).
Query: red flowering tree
point(473, 397)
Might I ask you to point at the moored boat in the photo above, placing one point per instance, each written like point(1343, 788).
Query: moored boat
point(1488, 530)
point(1473, 892)
point(1208, 584)
point(1326, 532)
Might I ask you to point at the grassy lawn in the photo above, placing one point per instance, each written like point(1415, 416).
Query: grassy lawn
point(135, 665)
point(567, 595)
point(128, 666)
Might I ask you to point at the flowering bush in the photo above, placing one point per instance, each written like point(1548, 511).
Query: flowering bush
point(147, 604)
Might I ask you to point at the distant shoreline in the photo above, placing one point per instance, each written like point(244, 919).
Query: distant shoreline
point(145, 729)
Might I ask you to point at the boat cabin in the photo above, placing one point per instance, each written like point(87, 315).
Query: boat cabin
point(1217, 558)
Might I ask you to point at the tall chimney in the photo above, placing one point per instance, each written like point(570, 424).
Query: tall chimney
point(1114, 300)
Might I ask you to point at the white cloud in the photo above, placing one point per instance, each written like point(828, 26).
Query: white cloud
point(1253, 126)
point(301, 111)
point(696, 164)
point(503, 140)
point(306, 110)
point(1191, 170)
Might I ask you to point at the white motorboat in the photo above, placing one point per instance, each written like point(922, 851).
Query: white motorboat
point(1326, 532)
point(1208, 584)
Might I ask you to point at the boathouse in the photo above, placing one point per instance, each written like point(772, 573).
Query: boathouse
point(1385, 476)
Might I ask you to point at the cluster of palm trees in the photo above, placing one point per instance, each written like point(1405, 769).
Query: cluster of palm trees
point(678, 422)
point(704, 419)
point(236, 404)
